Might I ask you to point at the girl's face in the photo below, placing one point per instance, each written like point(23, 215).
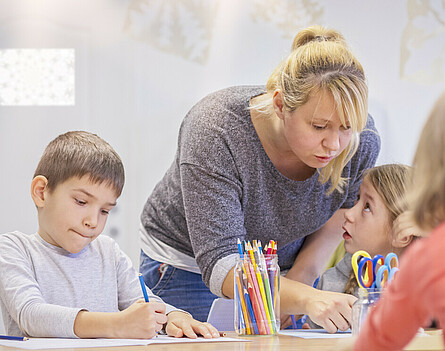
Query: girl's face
point(367, 224)
point(314, 132)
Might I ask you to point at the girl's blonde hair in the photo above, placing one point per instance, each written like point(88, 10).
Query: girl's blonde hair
point(427, 195)
point(321, 61)
point(390, 182)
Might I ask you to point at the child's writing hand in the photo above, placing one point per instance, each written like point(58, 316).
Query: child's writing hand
point(142, 320)
point(182, 324)
point(331, 310)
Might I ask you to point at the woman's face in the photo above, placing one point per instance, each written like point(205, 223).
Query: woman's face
point(367, 224)
point(314, 132)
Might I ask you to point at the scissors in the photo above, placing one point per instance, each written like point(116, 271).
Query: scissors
point(375, 272)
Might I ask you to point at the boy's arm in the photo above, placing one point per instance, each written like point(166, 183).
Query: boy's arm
point(140, 320)
point(24, 304)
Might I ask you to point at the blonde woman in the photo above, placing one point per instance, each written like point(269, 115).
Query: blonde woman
point(417, 295)
point(278, 162)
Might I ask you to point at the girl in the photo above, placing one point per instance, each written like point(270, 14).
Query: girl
point(368, 225)
point(417, 295)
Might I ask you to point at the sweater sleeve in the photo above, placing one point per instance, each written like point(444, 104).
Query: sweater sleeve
point(414, 297)
point(23, 300)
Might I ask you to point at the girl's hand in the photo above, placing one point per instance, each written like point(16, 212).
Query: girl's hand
point(181, 324)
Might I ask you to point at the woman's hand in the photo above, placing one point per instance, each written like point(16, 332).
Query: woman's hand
point(331, 310)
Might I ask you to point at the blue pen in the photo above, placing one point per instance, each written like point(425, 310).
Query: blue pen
point(17, 338)
point(294, 322)
point(141, 280)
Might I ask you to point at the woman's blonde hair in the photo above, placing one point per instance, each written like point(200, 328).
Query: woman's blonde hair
point(391, 182)
point(427, 195)
point(321, 61)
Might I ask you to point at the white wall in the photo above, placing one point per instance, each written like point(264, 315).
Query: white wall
point(140, 65)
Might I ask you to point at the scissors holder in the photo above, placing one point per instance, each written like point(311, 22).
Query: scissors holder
point(366, 299)
point(257, 298)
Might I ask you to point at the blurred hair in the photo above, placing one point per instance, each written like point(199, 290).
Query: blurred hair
point(427, 195)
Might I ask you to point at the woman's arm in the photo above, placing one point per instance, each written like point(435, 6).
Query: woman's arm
point(317, 249)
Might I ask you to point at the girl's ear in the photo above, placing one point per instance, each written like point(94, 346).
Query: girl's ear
point(277, 101)
point(39, 186)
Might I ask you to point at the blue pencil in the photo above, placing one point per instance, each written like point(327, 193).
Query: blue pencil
point(17, 338)
point(141, 280)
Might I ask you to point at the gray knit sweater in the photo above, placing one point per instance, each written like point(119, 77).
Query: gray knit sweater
point(223, 186)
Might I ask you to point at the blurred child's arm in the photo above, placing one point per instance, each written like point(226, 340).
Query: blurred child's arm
point(181, 324)
point(139, 321)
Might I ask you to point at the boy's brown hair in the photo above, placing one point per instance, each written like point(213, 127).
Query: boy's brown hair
point(80, 153)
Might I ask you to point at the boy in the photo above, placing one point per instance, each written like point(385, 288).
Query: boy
point(65, 280)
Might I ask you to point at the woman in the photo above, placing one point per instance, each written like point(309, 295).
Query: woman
point(279, 162)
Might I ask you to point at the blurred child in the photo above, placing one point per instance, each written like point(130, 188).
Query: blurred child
point(66, 280)
point(417, 295)
point(368, 225)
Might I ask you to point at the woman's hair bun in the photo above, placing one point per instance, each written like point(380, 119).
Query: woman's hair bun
point(317, 34)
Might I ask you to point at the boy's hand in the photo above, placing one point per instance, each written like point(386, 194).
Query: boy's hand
point(142, 320)
point(181, 324)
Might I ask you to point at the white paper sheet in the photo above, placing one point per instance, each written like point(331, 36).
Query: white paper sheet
point(315, 333)
point(58, 343)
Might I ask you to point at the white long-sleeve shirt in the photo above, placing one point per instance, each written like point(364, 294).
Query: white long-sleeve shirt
point(43, 287)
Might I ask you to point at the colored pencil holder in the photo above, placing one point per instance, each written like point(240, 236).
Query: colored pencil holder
point(257, 297)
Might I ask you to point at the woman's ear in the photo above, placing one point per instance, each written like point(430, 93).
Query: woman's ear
point(39, 186)
point(277, 101)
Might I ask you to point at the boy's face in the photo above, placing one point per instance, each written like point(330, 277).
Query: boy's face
point(367, 224)
point(75, 213)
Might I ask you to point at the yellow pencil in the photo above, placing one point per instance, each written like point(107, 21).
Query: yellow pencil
point(243, 305)
point(263, 295)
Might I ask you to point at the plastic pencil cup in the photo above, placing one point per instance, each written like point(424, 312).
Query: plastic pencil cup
point(257, 298)
point(366, 299)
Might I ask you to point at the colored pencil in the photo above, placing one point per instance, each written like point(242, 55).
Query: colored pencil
point(16, 338)
point(144, 290)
